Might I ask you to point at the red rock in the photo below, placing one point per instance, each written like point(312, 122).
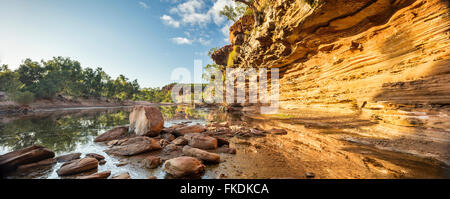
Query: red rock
point(101, 175)
point(113, 134)
point(42, 163)
point(12, 160)
point(201, 154)
point(184, 167)
point(68, 157)
point(78, 166)
point(152, 162)
point(96, 156)
point(134, 146)
point(123, 176)
point(226, 150)
point(200, 141)
point(180, 141)
point(189, 129)
point(146, 121)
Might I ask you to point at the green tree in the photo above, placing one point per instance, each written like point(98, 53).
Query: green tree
point(234, 13)
point(9, 80)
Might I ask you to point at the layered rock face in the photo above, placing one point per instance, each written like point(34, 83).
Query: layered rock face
point(383, 60)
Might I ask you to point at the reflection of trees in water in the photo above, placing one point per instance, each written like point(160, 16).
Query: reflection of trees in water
point(61, 134)
point(183, 112)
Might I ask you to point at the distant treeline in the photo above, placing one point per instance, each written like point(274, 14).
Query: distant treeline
point(65, 77)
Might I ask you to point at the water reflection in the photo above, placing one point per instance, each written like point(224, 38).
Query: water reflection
point(63, 131)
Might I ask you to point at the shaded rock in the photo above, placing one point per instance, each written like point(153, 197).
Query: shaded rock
point(200, 141)
point(201, 154)
point(10, 161)
point(180, 141)
point(113, 134)
point(102, 162)
point(220, 56)
point(152, 178)
point(163, 143)
point(171, 147)
point(222, 141)
point(226, 150)
point(122, 176)
point(184, 167)
point(151, 162)
point(146, 121)
point(101, 175)
point(189, 129)
point(68, 157)
point(96, 156)
point(134, 146)
point(78, 166)
point(42, 163)
point(168, 136)
point(278, 131)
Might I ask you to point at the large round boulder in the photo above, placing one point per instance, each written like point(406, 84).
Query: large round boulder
point(184, 167)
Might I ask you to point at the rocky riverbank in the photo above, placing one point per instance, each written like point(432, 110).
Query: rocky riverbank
point(183, 149)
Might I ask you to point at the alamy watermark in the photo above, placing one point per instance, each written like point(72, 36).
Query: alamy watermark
point(234, 85)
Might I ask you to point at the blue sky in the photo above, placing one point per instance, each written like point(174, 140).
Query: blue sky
point(142, 40)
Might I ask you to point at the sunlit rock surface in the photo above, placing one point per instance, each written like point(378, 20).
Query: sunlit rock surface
point(379, 67)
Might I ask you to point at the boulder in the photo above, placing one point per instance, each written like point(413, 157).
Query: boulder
point(68, 157)
point(134, 146)
point(122, 176)
point(10, 161)
point(34, 165)
point(205, 156)
point(152, 178)
point(189, 129)
point(96, 156)
point(184, 167)
point(146, 121)
point(168, 136)
point(180, 141)
point(78, 166)
point(226, 149)
point(102, 162)
point(113, 134)
point(151, 162)
point(201, 141)
point(171, 148)
point(101, 175)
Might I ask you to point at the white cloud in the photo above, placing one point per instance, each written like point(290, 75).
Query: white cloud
point(204, 41)
point(143, 5)
point(168, 20)
point(193, 12)
point(182, 41)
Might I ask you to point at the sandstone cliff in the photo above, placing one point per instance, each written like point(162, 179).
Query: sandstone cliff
point(384, 65)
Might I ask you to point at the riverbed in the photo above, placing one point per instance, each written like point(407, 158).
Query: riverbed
point(302, 151)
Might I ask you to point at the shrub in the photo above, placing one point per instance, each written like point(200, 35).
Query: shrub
point(24, 98)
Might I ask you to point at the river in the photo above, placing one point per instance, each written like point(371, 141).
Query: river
point(274, 156)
